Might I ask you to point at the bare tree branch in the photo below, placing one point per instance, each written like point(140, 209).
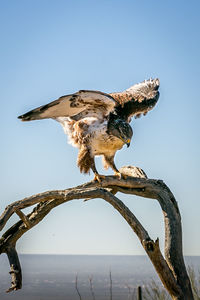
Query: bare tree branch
point(170, 269)
point(15, 270)
point(76, 286)
point(91, 287)
point(110, 278)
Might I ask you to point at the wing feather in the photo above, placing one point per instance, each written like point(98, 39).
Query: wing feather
point(78, 105)
point(138, 99)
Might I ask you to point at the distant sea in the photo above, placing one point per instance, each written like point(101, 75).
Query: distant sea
point(52, 277)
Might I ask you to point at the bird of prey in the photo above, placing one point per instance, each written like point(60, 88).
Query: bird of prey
point(98, 123)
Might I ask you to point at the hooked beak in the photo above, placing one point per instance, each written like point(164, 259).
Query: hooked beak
point(128, 143)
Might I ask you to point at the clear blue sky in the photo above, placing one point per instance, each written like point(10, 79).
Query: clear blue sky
point(50, 48)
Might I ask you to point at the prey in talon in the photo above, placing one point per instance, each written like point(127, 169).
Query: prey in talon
point(98, 123)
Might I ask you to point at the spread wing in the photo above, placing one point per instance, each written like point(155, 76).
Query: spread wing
point(81, 104)
point(138, 99)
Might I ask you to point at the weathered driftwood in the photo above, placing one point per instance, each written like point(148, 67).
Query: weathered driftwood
point(171, 268)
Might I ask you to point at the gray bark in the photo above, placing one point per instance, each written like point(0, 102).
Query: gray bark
point(171, 268)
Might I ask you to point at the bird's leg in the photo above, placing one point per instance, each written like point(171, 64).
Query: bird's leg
point(97, 176)
point(109, 160)
point(116, 171)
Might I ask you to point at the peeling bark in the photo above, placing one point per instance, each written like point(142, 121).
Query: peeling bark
point(171, 268)
point(15, 269)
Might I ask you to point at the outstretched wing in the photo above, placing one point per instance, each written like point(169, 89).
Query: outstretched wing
point(78, 105)
point(138, 99)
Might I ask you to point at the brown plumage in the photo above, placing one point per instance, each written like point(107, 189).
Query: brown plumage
point(84, 160)
point(96, 122)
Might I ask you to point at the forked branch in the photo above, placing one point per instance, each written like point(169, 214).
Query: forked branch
point(170, 269)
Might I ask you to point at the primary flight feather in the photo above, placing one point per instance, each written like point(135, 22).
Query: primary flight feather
point(98, 123)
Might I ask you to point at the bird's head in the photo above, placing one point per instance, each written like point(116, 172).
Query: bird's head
point(120, 129)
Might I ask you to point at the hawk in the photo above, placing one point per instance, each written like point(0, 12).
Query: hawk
point(97, 123)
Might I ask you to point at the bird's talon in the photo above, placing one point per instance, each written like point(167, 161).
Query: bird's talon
point(118, 174)
point(98, 177)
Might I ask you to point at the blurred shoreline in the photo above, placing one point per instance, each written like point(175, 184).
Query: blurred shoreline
point(53, 276)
